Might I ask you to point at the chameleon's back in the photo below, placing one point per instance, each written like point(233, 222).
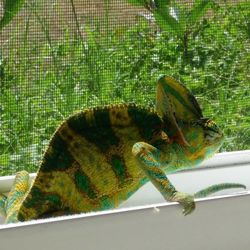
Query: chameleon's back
point(88, 165)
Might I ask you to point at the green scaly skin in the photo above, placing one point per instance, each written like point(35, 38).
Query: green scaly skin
point(99, 157)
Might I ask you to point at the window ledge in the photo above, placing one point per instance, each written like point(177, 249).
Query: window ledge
point(146, 221)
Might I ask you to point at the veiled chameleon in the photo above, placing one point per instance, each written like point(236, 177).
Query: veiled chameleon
point(99, 157)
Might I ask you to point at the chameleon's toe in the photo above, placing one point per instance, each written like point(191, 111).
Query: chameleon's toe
point(186, 200)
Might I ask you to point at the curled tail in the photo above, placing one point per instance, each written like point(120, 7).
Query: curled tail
point(216, 188)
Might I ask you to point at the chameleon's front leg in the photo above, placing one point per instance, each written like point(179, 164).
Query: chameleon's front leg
point(149, 160)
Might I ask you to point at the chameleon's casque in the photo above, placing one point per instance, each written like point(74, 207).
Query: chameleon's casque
point(99, 157)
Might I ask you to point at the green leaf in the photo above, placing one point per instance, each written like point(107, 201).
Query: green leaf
point(11, 8)
point(199, 9)
point(180, 15)
point(167, 21)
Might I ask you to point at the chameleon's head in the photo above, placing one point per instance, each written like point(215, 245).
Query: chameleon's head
point(212, 136)
point(183, 119)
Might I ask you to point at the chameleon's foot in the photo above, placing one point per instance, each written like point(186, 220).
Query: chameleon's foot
point(186, 200)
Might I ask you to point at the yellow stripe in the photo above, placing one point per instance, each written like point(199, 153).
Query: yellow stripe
point(93, 163)
point(128, 137)
point(66, 188)
point(90, 118)
point(119, 116)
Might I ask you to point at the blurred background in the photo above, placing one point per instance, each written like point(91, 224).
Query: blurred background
point(58, 57)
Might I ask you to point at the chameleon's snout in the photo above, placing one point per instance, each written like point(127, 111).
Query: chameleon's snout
point(212, 132)
point(213, 136)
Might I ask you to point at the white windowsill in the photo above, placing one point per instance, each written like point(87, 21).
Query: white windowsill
point(146, 221)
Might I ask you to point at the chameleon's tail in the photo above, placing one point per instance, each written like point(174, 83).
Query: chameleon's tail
point(216, 188)
point(3, 199)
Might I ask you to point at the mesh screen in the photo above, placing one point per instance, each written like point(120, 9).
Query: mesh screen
point(57, 57)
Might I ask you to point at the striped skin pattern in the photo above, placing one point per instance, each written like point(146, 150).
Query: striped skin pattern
point(16, 195)
point(3, 199)
point(99, 157)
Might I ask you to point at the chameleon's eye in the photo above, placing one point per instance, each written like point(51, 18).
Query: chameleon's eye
point(210, 125)
point(211, 131)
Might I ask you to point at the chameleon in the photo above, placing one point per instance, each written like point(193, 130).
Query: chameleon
point(98, 157)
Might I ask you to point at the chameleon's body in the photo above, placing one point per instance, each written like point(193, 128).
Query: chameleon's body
point(99, 157)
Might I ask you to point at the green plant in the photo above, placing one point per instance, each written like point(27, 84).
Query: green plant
point(110, 67)
point(11, 8)
point(177, 19)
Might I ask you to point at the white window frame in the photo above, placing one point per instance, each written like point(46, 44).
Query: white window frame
point(146, 221)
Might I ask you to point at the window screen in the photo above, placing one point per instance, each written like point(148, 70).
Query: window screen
point(58, 57)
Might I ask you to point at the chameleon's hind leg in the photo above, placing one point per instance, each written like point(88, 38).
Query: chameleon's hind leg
point(149, 160)
point(16, 195)
point(3, 199)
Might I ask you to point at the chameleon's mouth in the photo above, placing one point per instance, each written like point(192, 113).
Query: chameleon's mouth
point(214, 140)
point(213, 144)
point(213, 136)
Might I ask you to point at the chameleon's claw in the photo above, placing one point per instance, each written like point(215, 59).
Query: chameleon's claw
point(186, 200)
